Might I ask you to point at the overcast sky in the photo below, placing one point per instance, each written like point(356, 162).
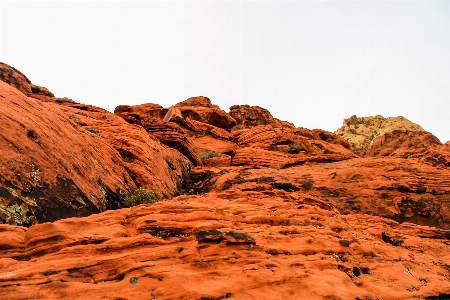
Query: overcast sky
point(312, 63)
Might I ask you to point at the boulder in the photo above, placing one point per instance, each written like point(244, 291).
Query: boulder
point(398, 142)
point(360, 132)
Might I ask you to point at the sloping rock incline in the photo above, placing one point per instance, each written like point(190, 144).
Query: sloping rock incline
point(17, 79)
point(360, 132)
point(59, 158)
point(238, 245)
point(401, 142)
point(249, 116)
point(50, 167)
point(412, 190)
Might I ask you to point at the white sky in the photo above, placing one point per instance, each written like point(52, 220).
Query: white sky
point(312, 63)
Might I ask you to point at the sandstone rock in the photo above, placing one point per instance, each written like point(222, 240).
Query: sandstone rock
point(249, 116)
point(397, 142)
point(15, 78)
point(403, 189)
point(50, 167)
point(204, 129)
point(269, 212)
point(196, 101)
point(222, 161)
point(197, 108)
point(279, 139)
point(214, 144)
point(224, 245)
point(168, 133)
point(445, 147)
point(148, 110)
point(360, 132)
point(173, 115)
point(150, 164)
point(212, 116)
point(75, 159)
point(259, 158)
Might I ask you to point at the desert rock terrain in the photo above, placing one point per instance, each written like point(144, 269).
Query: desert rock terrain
point(246, 206)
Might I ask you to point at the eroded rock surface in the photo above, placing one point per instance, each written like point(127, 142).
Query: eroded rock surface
point(401, 142)
point(234, 244)
point(406, 190)
point(270, 211)
point(249, 116)
point(61, 159)
point(360, 132)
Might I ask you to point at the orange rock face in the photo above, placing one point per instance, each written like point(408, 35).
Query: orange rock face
point(269, 211)
point(62, 159)
point(238, 245)
point(249, 116)
point(400, 141)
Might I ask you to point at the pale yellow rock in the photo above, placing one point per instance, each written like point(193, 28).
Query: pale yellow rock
point(360, 132)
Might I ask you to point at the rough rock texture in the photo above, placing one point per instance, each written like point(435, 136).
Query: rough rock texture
point(17, 79)
point(238, 245)
point(168, 133)
point(270, 211)
point(149, 163)
point(406, 190)
point(148, 109)
point(60, 158)
point(397, 142)
point(200, 109)
point(50, 167)
point(196, 108)
point(360, 132)
point(278, 139)
point(249, 116)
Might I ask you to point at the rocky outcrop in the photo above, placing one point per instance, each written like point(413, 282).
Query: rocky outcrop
point(149, 163)
point(200, 109)
point(50, 167)
point(168, 133)
point(199, 101)
point(269, 211)
point(281, 139)
point(196, 108)
point(63, 159)
point(401, 142)
point(17, 79)
point(360, 132)
point(406, 190)
point(249, 116)
point(148, 110)
point(233, 244)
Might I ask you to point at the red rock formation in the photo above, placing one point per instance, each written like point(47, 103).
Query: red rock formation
point(199, 101)
point(236, 245)
point(200, 109)
point(249, 116)
point(274, 212)
point(62, 159)
point(405, 190)
point(50, 167)
point(398, 142)
point(318, 142)
point(17, 79)
point(168, 133)
point(148, 109)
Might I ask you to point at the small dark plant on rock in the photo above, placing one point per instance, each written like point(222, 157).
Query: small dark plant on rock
point(92, 130)
point(206, 153)
point(295, 148)
point(141, 196)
